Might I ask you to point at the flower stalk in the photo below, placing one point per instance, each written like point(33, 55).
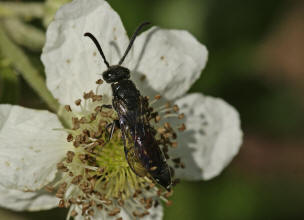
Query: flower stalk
point(19, 60)
point(9, 83)
point(24, 34)
point(26, 10)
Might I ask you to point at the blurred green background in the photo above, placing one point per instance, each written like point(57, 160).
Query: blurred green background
point(256, 63)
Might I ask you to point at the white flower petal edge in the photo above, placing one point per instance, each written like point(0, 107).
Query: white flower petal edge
point(72, 62)
point(156, 213)
point(29, 147)
point(26, 201)
point(171, 60)
point(212, 138)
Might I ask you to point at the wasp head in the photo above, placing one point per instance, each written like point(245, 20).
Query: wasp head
point(115, 74)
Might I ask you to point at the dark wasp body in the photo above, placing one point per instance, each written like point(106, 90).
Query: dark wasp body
point(141, 148)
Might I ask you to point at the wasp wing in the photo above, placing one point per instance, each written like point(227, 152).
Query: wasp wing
point(132, 153)
point(127, 121)
point(141, 148)
point(149, 152)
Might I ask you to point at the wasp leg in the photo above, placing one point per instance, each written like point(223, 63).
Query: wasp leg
point(112, 125)
point(107, 106)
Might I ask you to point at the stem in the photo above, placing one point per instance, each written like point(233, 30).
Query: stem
point(9, 85)
point(27, 10)
point(20, 61)
point(24, 34)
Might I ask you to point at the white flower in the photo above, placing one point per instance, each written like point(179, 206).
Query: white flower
point(31, 150)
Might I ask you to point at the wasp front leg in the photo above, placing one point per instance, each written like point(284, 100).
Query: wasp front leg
point(112, 125)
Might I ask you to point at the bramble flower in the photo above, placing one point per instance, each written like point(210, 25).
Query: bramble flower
point(44, 165)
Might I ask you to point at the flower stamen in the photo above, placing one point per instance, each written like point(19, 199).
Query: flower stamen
point(95, 173)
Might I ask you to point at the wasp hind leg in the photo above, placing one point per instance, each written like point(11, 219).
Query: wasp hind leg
point(112, 125)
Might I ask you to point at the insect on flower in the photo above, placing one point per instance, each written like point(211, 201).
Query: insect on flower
point(77, 164)
point(141, 148)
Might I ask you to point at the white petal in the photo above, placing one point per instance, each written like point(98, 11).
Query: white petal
point(26, 201)
point(72, 62)
point(155, 214)
point(171, 60)
point(212, 137)
point(29, 147)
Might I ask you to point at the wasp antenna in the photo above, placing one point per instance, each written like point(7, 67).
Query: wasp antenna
point(132, 40)
point(98, 47)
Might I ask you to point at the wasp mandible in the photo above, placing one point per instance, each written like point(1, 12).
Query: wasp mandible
point(142, 151)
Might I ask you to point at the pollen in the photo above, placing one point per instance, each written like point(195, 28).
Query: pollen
point(96, 176)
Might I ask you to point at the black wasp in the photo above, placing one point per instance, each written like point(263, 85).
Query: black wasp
point(141, 148)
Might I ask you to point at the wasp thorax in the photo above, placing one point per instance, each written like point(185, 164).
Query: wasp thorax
point(115, 74)
point(96, 176)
